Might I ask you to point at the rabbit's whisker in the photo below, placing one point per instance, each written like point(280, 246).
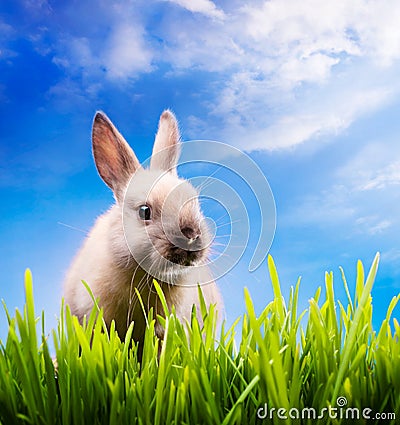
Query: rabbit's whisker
point(208, 180)
point(219, 219)
point(140, 285)
point(229, 223)
point(73, 227)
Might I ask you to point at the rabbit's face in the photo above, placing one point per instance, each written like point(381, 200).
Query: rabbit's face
point(164, 228)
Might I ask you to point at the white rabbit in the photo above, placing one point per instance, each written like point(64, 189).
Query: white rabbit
point(154, 230)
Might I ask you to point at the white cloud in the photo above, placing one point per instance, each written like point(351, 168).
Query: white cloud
point(280, 73)
point(278, 57)
point(6, 54)
point(67, 92)
point(119, 54)
point(380, 227)
point(330, 207)
point(39, 6)
point(343, 212)
point(360, 27)
point(296, 30)
point(6, 33)
point(125, 53)
point(391, 256)
point(205, 7)
point(76, 53)
point(387, 176)
point(5, 30)
point(376, 167)
point(256, 118)
point(360, 198)
point(376, 23)
point(372, 224)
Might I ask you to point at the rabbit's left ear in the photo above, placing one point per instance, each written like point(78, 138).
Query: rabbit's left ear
point(166, 148)
point(114, 158)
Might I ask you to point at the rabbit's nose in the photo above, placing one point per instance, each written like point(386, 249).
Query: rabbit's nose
point(191, 233)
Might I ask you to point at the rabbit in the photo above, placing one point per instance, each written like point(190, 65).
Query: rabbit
point(155, 229)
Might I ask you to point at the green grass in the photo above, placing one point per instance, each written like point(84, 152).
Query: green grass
point(284, 358)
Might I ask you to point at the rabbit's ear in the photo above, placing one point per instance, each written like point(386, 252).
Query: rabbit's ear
point(115, 160)
point(167, 144)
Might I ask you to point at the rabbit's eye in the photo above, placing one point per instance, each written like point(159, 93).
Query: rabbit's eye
point(145, 212)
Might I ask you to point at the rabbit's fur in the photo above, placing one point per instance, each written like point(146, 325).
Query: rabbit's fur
point(105, 261)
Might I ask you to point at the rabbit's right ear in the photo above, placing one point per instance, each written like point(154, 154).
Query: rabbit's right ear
point(166, 147)
point(114, 158)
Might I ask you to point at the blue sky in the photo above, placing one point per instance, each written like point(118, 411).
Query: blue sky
point(309, 91)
